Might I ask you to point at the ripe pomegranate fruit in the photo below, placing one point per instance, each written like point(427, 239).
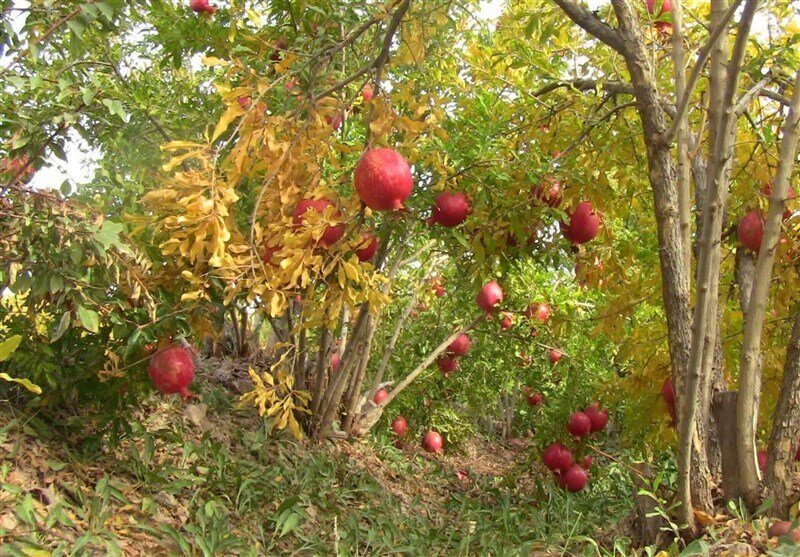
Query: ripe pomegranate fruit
point(598, 417)
point(558, 458)
point(538, 311)
point(332, 233)
point(172, 370)
point(244, 102)
point(269, 253)
point(576, 478)
point(579, 424)
point(784, 528)
point(762, 460)
point(438, 289)
point(554, 356)
point(461, 345)
point(447, 364)
point(336, 361)
point(535, 399)
point(367, 93)
point(335, 120)
point(751, 230)
point(506, 322)
point(666, 7)
point(201, 7)
point(668, 391)
point(584, 224)
point(432, 442)
point(399, 425)
point(383, 179)
point(587, 462)
point(450, 209)
point(368, 247)
point(380, 395)
point(550, 192)
point(490, 295)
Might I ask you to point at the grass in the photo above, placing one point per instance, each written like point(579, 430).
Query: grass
point(222, 485)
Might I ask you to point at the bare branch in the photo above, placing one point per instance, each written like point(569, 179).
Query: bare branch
point(592, 24)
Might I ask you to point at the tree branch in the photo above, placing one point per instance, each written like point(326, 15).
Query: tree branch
point(592, 24)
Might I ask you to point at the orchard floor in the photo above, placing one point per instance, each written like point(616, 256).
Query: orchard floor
point(206, 479)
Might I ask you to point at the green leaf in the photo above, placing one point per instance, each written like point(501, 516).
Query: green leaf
point(89, 319)
point(291, 523)
point(63, 325)
point(8, 346)
point(108, 234)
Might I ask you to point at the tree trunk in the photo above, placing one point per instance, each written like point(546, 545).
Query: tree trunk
point(724, 409)
point(783, 439)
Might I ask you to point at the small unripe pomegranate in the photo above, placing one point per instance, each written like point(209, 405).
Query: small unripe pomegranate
point(383, 179)
point(579, 424)
point(751, 230)
point(172, 370)
point(506, 322)
point(399, 425)
point(368, 247)
point(432, 442)
point(490, 295)
point(584, 224)
point(461, 345)
point(380, 395)
point(535, 399)
point(554, 356)
point(550, 192)
point(332, 233)
point(447, 364)
point(576, 478)
point(450, 209)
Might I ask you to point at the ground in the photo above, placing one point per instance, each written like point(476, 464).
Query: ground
point(207, 479)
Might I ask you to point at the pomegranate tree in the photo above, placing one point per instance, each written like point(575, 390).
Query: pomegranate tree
point(383, 179)
point(172, 370)
point(450, 209)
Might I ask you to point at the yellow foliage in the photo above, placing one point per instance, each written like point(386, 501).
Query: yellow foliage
point(275, 397)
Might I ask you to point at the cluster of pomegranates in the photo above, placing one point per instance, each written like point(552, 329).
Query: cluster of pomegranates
point(431, 441)
point(561, 460)
point(448, 362)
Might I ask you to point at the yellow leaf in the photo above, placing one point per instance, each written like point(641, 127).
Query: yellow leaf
point(227, 117)
point(24, 382)
point(214, 61)
point(189, 296)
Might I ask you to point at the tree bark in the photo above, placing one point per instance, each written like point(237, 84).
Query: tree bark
point(724, 408)
point(783, 439)
point(749, 368)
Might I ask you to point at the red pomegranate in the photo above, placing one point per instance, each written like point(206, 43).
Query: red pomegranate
point(439, 290)
point(335, 120)
point(554, 355)
point(461, 345)
point(332, 233)
point(244, 102)
point(368, 247)
point(576, 478)
point(587, 462)
point(751, 230)
point(598, 417)
point(447, 364)
point(380, 395)
point(367, 93)
point(535, 399)
point(668, 391)
point(538, 311)
point(383, 179)
point(432, 442)
point(172, 370)
point(584, 224)
point(490, 295)
point(666, 7)
point(550, 192)
point(506, 322)
point(762, 460)
point(557, 457)
point(783, 528)
point(201, 7)
point(336, 361)
point(269, 253)
point(579, 424)
point(399, 425)
point(450, 209)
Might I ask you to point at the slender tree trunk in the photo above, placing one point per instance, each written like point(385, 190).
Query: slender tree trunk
point(389, 350)
point(353, 397)
point(785, 424)
point(749, 368)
